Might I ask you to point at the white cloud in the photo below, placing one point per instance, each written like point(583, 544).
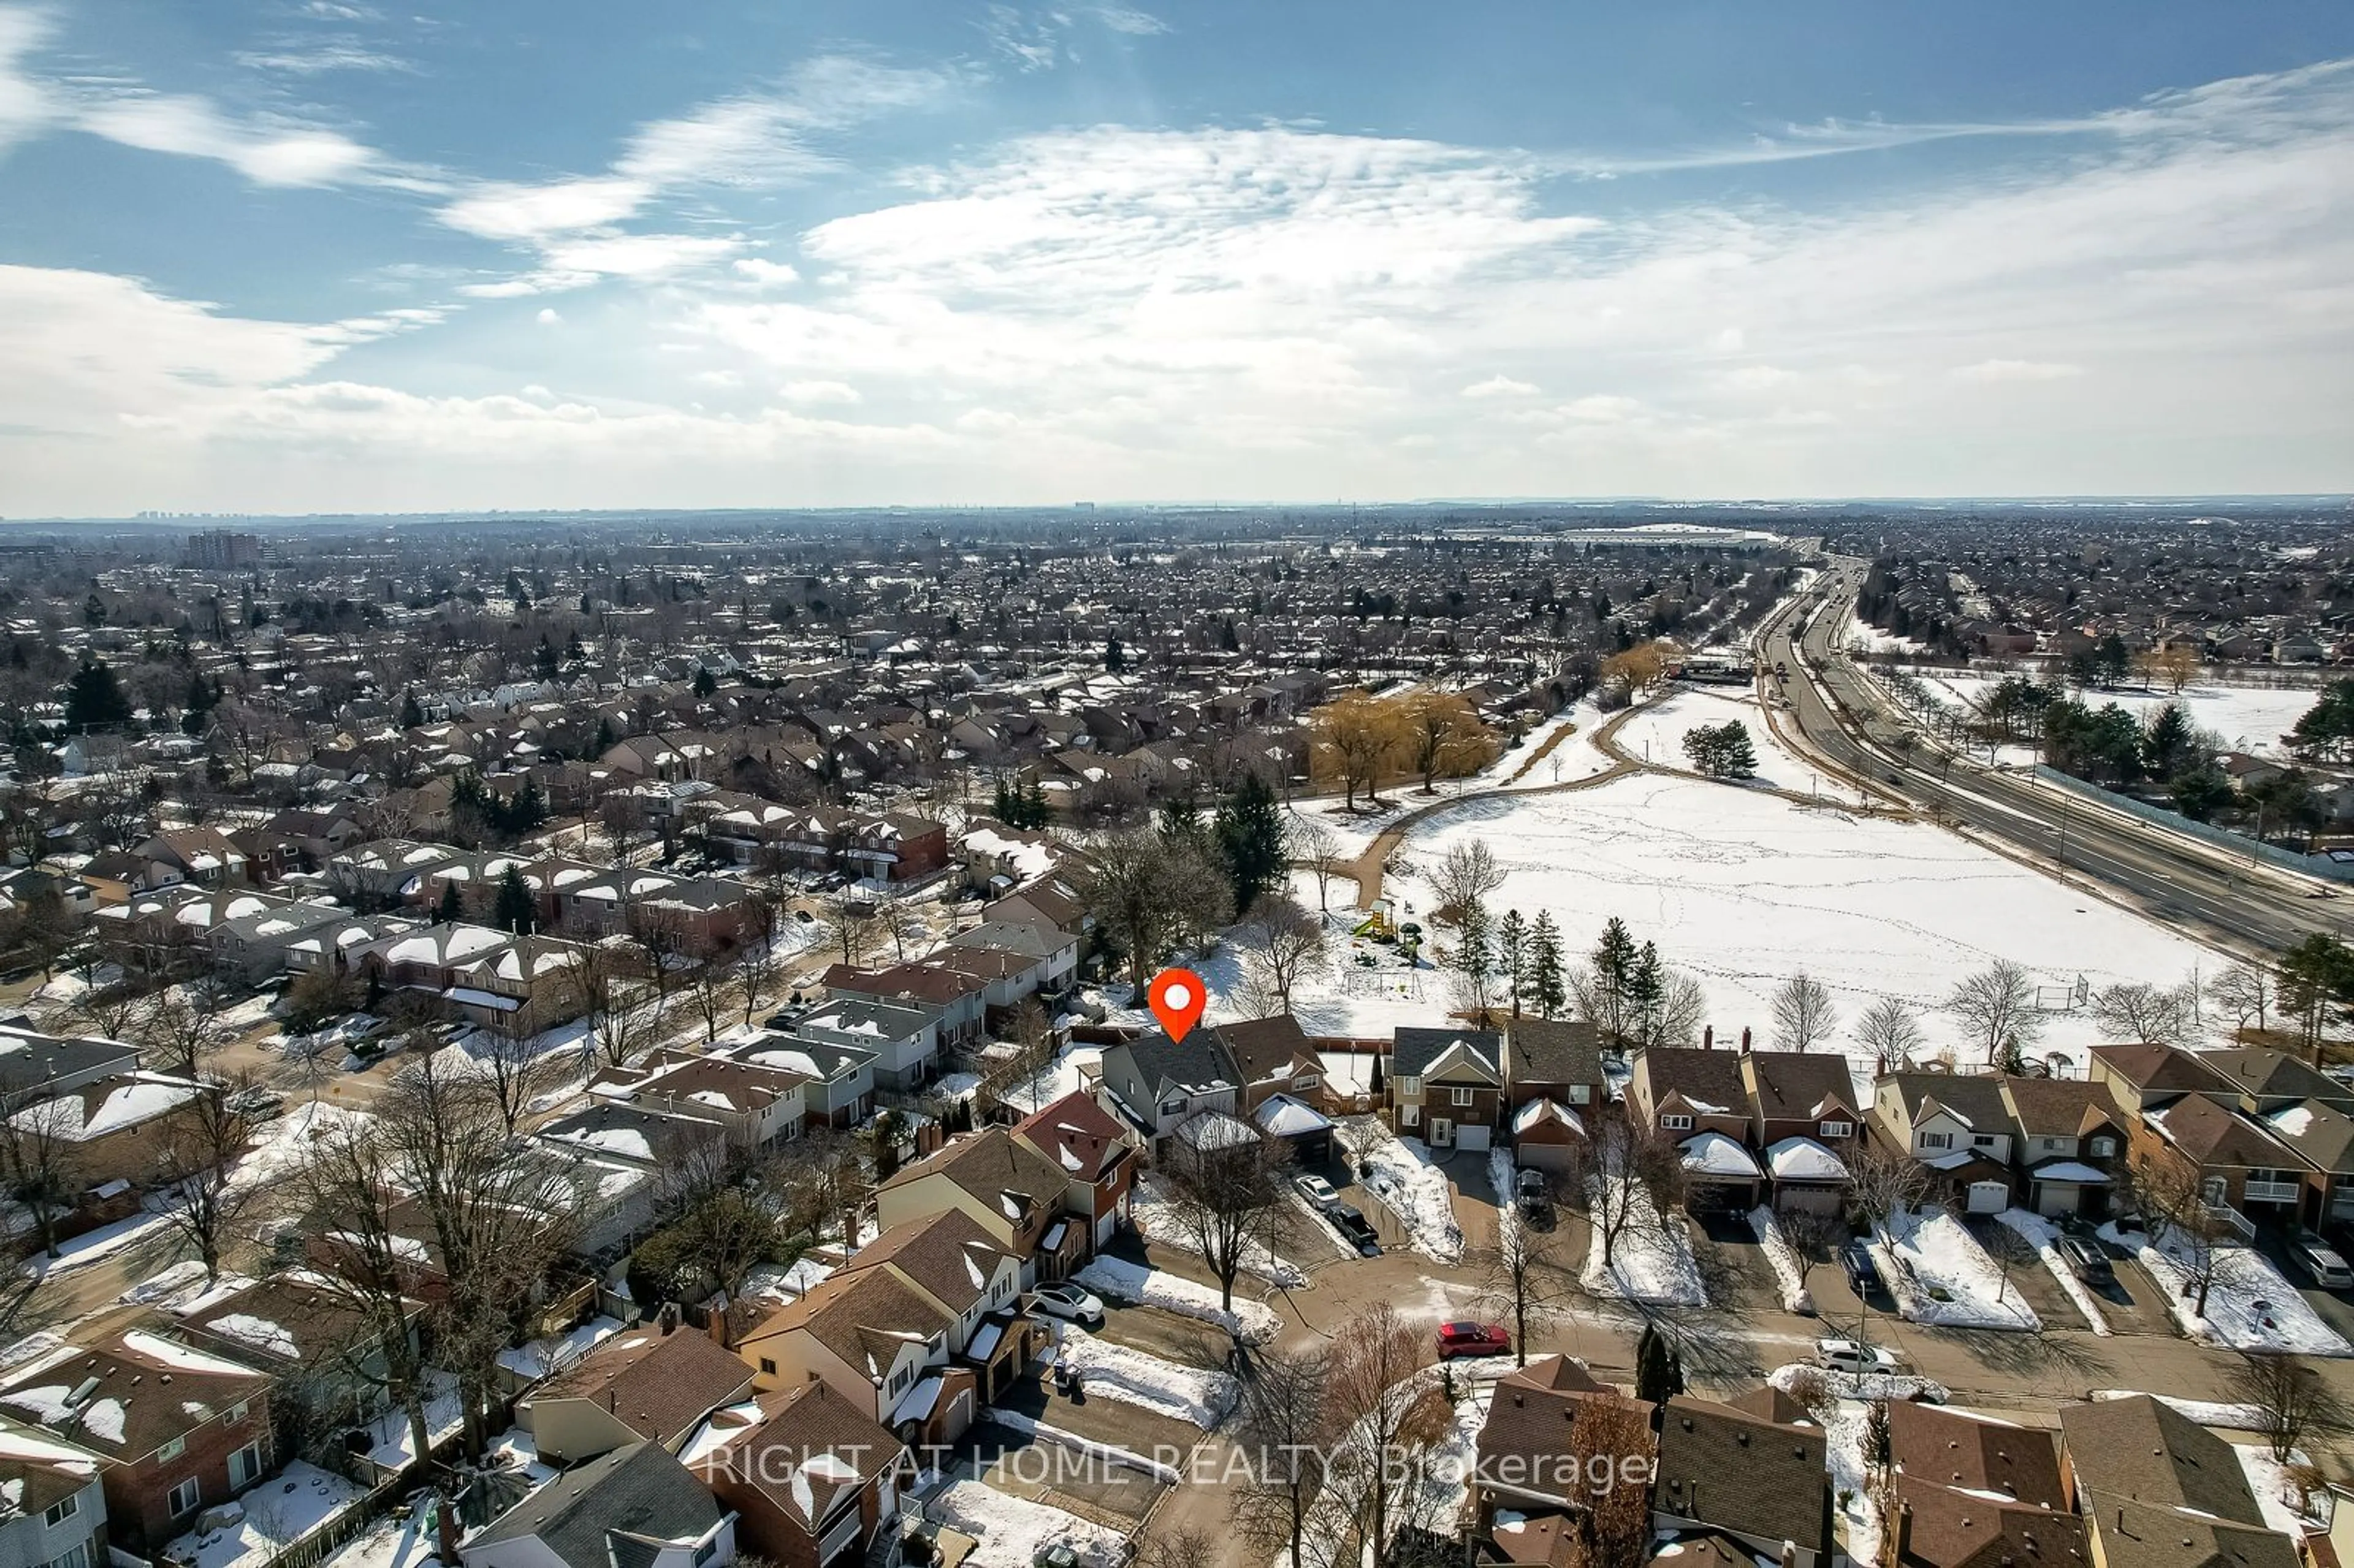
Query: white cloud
point(765, 274)
point(1129, 19)
point(804, 393)
point(2017, 370)
point(639, 255)
point(1501, 387)
point(298, 57)
point(502, 210)
point(548, 316)
point(25, 105)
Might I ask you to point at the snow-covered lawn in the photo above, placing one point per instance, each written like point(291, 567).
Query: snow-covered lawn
point(545, 1357)
point(1657, 734)
point(1650, 1260)
point(2249, 1305)
point(2277, 1497)
point(2248, 718)
point(1116, 1280)
point(1158, 1222)
point(2044, 1236)
point(1402, 1177)
point(277, 1513)
point(1789, 1269)
point(90, 1245)
point(444, 1413)
point(1138, 1377)
point(1013, 1531)
point(1940, 1276)
point(1846, 1428)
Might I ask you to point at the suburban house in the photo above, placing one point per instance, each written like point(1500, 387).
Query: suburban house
point(1555, 1059)
point(114, 1125)
point(1446, 1086)
point(2071, 1142)
point(317, 1345)
point(496, 980)
point(810, 1476)
point(1958, 1125)
point(1804, 1124)
point(651, 1384)
point(2323, 1138)
point(634, 1507)
point(953, 1263)
point(36, 1067)
point(1096, 1154)
point(2155, 1486)
point(1273, 1056)
point(760, 1105)
point(1017, 1195)
point(1699, 1100)
point(254, 946)
point(1157, 1083)
point(2140, 1078)
point(904, 1040)
point(175, 1429)
point(2266, 1081)
point(1971, 1491)
point(1041, 960)
point(956, 1004)
point(2241, 1162)
point(52, 1505)
point(837, 1080)
point(1526, 1461)
point(1722, 1468)
point(876, 1342)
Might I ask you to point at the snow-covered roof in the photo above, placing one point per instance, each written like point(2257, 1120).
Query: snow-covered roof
point(1804, 1159)
point(2070, 1171)
point(1714, 1154)
point(1286, 1118)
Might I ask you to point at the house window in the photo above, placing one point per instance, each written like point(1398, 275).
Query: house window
point(1307, 1081)
point(768, 1365)
point(2047, 1144)
point(2103, 1147)
point(1409, 1115)
point(245, 1466)
point(62, 1510)
point(172, 1449)
point(1463, 1097)
point(1982, 1140)
point(1937, 1140)
point(1836, 1129)
point(1676, 1121)
point(898, 1380)
point(1411, 1088)
point(1579, 1094)
point(184, 1497)
point(236, 1411)
point(1172, 1106)
point(706, 1552)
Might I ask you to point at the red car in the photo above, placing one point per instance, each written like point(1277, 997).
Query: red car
point(1472, 1340)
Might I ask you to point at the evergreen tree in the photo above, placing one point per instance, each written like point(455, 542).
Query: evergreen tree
point(411, 712)
point(94, 698)
point(1250, 841)
point(526, 810)
point(705, 683)
point(545, 657)
point(1475, 956)
point(1034, 810)
point(1548, 985)
point(515, 910)
point(605, 740)
point(1513, 958)
point(1001, 804)
point(452, 907)
point(1615, 957)
point(573, 652)
point(1737, 755)
point(1181, 820)
point(1658, 1370)
point(1647, 990)
point(1115, 656)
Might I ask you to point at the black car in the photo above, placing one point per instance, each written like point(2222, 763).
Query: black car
point(2086, 1259)
point(1531, 1193)
point(1354, 1229)
point(1863, 1274)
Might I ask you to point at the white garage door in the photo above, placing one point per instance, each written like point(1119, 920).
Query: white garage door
point(1989, 1197)
point(1470, 1137)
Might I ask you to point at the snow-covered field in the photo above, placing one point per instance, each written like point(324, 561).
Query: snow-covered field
point(2044, 1236)
point(1789, 1269)
point(1650, 1260)
point(1940, 1276)
point(2248, 718)
point(2249, 1305)
point(1138, 1377)
point(1013, 1532)
point(1657, 732)
point(1156, 1220)
point(1116, 1280)
point(1416, 1190)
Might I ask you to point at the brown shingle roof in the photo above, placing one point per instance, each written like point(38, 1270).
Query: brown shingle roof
point(1725, 1467)
point(657, 1386)
point(2148, 1451)
point(946, 1255)
point(1947, 1449)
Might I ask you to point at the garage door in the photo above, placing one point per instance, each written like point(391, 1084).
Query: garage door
point(1470, 1137)
point(1989, 1197)
point(1563, 1156)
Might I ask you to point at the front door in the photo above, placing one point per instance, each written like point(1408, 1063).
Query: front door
point(1442, 1132)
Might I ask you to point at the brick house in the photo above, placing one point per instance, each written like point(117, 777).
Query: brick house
point(1446, 1086)
point(1804, 1124)
point(1699, 1100)
point(878, 1343)
point(650, 1385)
point(810, 1476)
point(1016, 1195)
point(1096, 1154)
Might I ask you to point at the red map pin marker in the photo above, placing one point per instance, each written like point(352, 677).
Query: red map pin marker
point(1176, 996)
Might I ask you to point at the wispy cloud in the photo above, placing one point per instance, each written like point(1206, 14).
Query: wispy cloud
point(1034, 40)
point(294, 56)
point(2017, 370)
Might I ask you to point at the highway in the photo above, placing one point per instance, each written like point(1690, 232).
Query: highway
point(2166, 876)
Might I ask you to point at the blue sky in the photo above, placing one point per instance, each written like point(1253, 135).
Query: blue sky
point(327, 255)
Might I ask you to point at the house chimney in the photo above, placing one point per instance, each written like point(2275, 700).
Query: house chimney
point(1708, 1038)
point(1789, 1554)
point(1745, 1037)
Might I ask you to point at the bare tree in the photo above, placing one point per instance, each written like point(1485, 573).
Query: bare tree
point(41, 1146)
point(1524, 1277)
point(1614, 1527)
point(619, 1024)
point(2009, 1250)
point(200, 1142)
point(1318, 847)
point(1151, 893)
point(2174, 1204)
point(181, 1027)
point(711, 986)
point(1997, 1004)
point(661, 936)
point(1283, 1426)
point(1465, 877)
point(1631, 1183)
point(1384, 1421)
point(516, 1072)
point(1803, 1013)
point(2247, 992)
point(1278, 943)
point(2290, 1396)
point(1683, 1008)
point(1881, 1180)
point(1227, 1200)
point(822, 1179)
point(1889, 1030)
point(2142, 1013)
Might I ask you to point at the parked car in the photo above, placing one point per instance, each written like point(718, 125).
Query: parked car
point(2321, 1260)
point(1531, 1193)
point(2086, 1260)
point(1468, 1338)
point(1066, 1301)
point(1863, 1274)
point(1354, 1228)
point(256, 1104)
point(1853, 1356)
point(1317, 1190)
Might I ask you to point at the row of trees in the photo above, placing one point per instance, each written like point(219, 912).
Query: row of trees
point(1359, 741)
point(1721, 750)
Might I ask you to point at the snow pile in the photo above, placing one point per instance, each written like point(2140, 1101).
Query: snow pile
point(1940, 1276)
point(1846, 1429)
point(1867, 1387)
point(1651, 1259)
point(2042, 1235)
point(299, 1499)
point(1156, 1218)
point(2278, 1498)
point(2249, 1305)
point(1120, 1280)
point(2205, 1412)
point(1136, 1377)
point(1500, 1170)
point(1013, 1532)
point(1399, 1172)
point(1789, 1269)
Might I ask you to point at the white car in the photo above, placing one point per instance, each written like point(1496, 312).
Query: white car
point(1317, 1190)
point(1849, 1356)
point(1068, 1301)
